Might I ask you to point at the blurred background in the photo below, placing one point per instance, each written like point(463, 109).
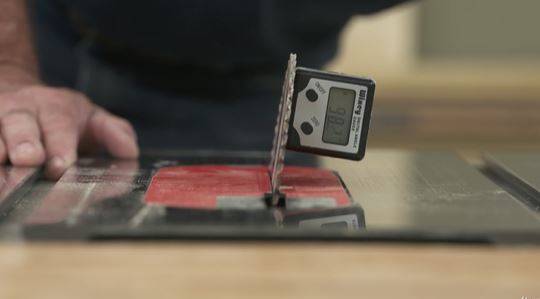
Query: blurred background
point(460, 73)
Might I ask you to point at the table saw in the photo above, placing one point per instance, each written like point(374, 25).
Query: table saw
point(397, 196)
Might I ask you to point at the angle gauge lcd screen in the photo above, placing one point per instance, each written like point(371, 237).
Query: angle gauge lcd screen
point(337, 125)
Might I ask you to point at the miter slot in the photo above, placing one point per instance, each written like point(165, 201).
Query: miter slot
point(15, 183)
point(517, 173)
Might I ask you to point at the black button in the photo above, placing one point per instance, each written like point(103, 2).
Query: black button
point(307, 128)
point(311, 95)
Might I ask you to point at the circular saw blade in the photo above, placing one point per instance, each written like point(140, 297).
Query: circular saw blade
point(277, 156)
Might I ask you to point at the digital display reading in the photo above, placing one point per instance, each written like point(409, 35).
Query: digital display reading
point(337, 125)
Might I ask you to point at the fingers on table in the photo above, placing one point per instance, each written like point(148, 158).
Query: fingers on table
point(21, 139)
point(114, 133)
point(60, 137)
point(50, 133)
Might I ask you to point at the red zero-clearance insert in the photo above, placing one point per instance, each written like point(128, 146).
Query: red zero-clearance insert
point(199, 187)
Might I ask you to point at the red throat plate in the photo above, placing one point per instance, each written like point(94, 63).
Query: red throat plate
point(198, 187)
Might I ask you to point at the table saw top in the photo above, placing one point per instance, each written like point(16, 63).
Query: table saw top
point(396, 196)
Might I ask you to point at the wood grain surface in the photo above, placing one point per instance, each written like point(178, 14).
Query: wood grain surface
point(266, 270)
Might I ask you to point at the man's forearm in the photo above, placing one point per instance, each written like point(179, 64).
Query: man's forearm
point(18, 64)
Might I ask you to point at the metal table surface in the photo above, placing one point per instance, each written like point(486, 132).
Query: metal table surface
point(405, 196)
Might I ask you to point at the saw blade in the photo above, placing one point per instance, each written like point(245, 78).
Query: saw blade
point(277, 156)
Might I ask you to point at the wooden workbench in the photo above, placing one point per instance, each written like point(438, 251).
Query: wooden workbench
point(255, 270)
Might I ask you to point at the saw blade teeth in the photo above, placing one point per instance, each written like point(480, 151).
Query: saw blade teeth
point(277, 156)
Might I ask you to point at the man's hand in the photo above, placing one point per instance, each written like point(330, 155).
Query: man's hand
point(43, 125)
